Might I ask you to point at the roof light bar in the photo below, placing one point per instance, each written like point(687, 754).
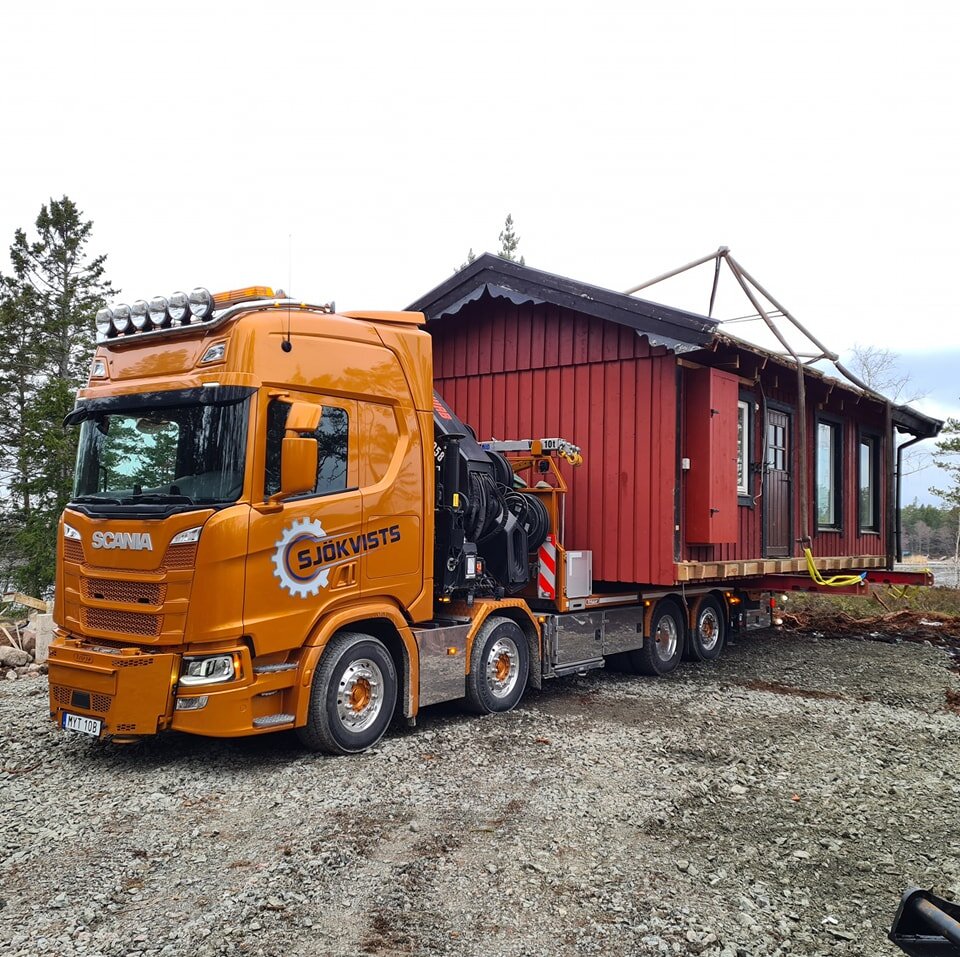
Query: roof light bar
point(181, 310)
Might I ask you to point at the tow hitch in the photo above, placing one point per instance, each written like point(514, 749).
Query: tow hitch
point(926, 925)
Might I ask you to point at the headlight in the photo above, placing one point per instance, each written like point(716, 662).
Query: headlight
point(209, 671)
point(187, 537)
point(139, 314)
point(104, 322)
point(70, 532)
point(121, 318)
point(158, 312)
point(201, 303)
point(178, 305)
point(99, 369)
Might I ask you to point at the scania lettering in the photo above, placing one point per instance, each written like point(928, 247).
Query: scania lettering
point(132, 540)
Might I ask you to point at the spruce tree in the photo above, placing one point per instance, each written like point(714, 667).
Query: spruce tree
point(47, 329)
point(509, 241)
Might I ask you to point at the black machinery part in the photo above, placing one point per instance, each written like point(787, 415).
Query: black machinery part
point(926, 925)
point(479, 512)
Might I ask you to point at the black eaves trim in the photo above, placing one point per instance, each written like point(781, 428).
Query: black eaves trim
point(533, 284)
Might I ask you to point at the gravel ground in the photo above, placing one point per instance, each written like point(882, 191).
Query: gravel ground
point(775, 802)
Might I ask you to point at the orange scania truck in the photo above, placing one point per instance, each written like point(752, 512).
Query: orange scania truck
point(276, 524)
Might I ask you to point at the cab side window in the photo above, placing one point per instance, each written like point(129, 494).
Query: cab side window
point(332, 437)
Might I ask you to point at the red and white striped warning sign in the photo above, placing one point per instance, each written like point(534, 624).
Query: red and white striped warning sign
point(547, 577)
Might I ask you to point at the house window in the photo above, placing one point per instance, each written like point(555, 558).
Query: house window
point(868, 471)
point(743, 448)
point(829, 458)
point(332, 447)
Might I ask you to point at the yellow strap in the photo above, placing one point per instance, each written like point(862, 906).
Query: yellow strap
point(837, 581)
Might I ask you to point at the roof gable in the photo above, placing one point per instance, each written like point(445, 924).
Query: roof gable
point(663, 325)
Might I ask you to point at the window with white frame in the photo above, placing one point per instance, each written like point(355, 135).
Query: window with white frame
point(743, 448)
point(829, 461)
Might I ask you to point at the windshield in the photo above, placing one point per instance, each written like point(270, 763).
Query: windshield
point(191, 452)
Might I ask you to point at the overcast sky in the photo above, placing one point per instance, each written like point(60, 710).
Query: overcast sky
point(380, 141)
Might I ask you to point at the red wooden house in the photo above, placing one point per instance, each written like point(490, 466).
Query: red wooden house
point(691, 459)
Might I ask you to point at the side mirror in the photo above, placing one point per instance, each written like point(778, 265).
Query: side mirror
point(298, 467)
point(298, 454)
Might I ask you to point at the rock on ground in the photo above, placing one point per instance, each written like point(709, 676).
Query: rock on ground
point(773, 803)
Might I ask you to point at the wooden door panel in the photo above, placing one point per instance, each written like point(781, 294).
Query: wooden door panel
point(778, 540)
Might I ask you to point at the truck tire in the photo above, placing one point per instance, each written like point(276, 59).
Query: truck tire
point(499, 665)
point(353, 695)
point(709, 631)
point(663, 648)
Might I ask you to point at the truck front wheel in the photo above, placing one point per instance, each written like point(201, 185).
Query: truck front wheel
point(352, 697)
point(499, 664)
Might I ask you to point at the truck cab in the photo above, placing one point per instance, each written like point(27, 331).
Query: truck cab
point(253, 475)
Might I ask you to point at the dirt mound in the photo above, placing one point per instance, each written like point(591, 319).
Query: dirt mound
point(937, 629)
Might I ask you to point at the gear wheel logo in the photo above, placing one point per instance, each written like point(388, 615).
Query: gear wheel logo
point(297, 580)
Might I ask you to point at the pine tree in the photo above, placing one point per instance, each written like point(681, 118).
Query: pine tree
point(947, 458)
point(471, 256)
point(509, 241)
point(47, 335)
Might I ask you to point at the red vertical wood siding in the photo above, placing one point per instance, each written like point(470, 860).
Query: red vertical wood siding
point(533, 371)
point(530, 371)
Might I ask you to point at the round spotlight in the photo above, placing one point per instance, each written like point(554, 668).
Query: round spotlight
point(104, 322)
point(201, 304)
point(157, 309)
point(121, 319)
point(178, 305)
point(139, 314)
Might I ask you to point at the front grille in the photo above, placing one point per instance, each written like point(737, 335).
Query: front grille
point(108, 589)
point(121, 622)
point(68, 698)
point(181, 556)
point(72, 550)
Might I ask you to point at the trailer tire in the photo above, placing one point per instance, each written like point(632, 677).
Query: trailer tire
point(663, 648)
point(499, 665)
point(352, 697)
point(709, 632)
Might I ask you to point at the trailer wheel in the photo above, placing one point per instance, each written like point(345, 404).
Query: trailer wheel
point(352, 697)
point(710, 632)
point(663, 648)
point(499, 664)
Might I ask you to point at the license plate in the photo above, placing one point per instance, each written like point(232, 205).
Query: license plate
point(77, 722)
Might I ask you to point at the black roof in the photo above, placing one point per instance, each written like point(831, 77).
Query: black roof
point(501, 278)
point(677, 329)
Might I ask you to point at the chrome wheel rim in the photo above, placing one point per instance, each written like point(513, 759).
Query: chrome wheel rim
point(666, 638)
point(708, 629)
point(502, 667)
point(360, 695)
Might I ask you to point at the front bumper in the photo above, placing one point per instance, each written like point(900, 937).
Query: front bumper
point(129, 690)
point(134, 692)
